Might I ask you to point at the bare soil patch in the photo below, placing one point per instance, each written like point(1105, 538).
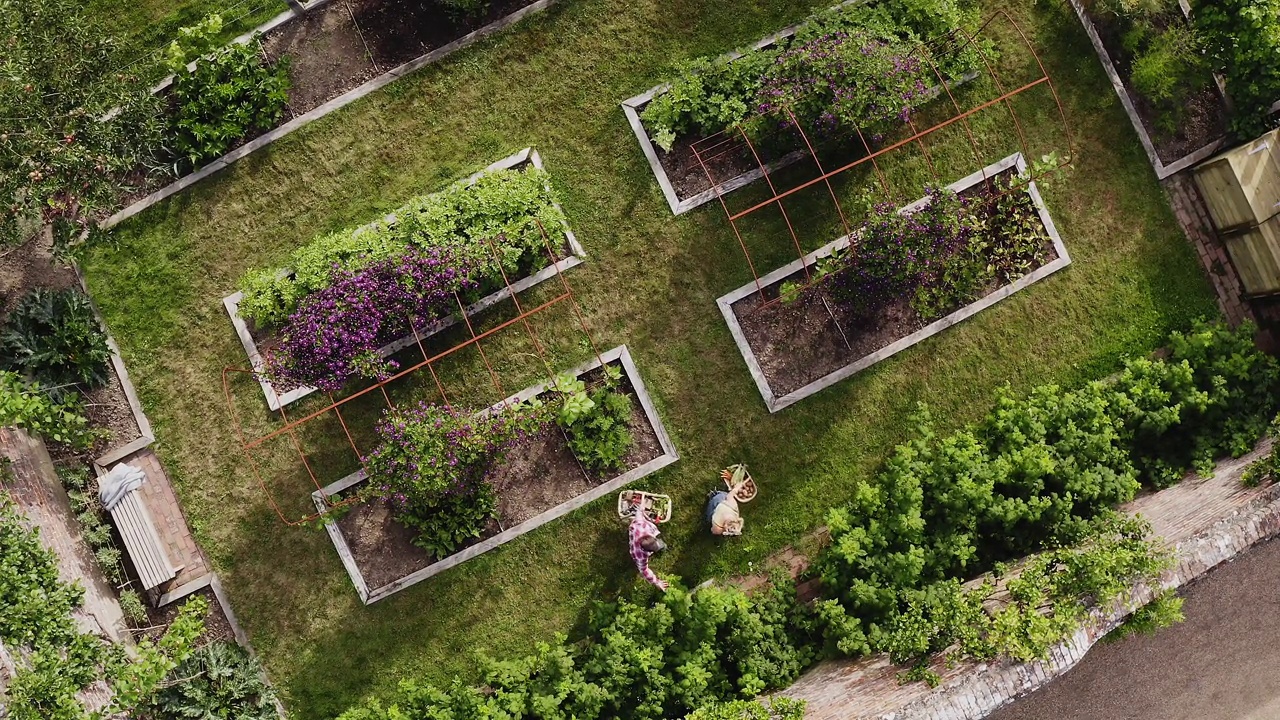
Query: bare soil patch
point(216, 626)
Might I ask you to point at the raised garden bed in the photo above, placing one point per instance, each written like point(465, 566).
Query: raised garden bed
point(538, 481)
point(794, 349)
point(342, 50)
point(1201, 132)
point(683, 180)
point(571, 255)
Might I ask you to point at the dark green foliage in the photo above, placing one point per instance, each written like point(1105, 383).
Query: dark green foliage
point(229, 94)
point(78, 113)
point(55, 661)
point(220, 681)
point(53, 337)
point(600, 437)
point(444, 522)
point(685, 652)
point(1242, 37)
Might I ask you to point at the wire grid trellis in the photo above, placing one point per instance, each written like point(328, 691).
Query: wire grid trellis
point(292, 425)
point(736, 140)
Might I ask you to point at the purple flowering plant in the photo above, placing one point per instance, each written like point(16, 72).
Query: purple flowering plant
point(842, 79)
point(428, 454)
point(335, 333)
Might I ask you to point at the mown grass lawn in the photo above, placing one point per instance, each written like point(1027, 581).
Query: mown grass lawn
point(651, 281)
point(152, 24)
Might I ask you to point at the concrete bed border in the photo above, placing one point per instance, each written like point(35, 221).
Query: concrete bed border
point(1126, 101)
point(320, 111)
point(669, 455)
point(776, 403)
point(275, 400)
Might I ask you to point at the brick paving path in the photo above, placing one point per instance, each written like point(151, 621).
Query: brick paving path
point(1193, 215)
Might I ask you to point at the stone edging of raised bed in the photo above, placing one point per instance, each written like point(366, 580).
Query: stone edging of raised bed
point(275, 400)
point(633, 106)
point(320, 111)
point(1126, 101)
point(776, 403)
point(669, 455)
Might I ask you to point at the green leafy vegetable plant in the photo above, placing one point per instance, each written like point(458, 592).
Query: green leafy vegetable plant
point(228, 94)
point(53, 337)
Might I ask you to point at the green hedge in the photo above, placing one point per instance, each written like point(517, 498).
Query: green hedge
point(501, 206)
point(1038, 474)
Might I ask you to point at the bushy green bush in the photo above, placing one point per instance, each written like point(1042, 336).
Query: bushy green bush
point(53, 337)
point(1242, 38)
point(778, 708)
point(219, 680)
point(492, 224)
point(640, 663)
point(229, 93)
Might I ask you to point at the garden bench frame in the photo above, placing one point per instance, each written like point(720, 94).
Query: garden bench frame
point(142, 541)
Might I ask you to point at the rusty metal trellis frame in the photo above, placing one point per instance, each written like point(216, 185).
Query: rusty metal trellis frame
point(291, 426)
point(735, 140)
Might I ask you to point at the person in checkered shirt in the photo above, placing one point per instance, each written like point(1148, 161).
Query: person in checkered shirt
point(643, 535)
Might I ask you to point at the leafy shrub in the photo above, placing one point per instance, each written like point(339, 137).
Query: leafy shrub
point(53, 337)
point(778, 708)
point(1168, 67)
point(871, 55)
point(1162, 612)
point(220, 680)
point(430, 465)
point(66, 70)
point(1242, 37)
point(491, 224)
point(227, 95)
point(336, 332)
point(596, 423)
point(686, 652)
point(1267, 467)
point(30, 407)
point(132, 607)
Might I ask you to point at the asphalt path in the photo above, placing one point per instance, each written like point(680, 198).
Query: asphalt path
point(1223, 663)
